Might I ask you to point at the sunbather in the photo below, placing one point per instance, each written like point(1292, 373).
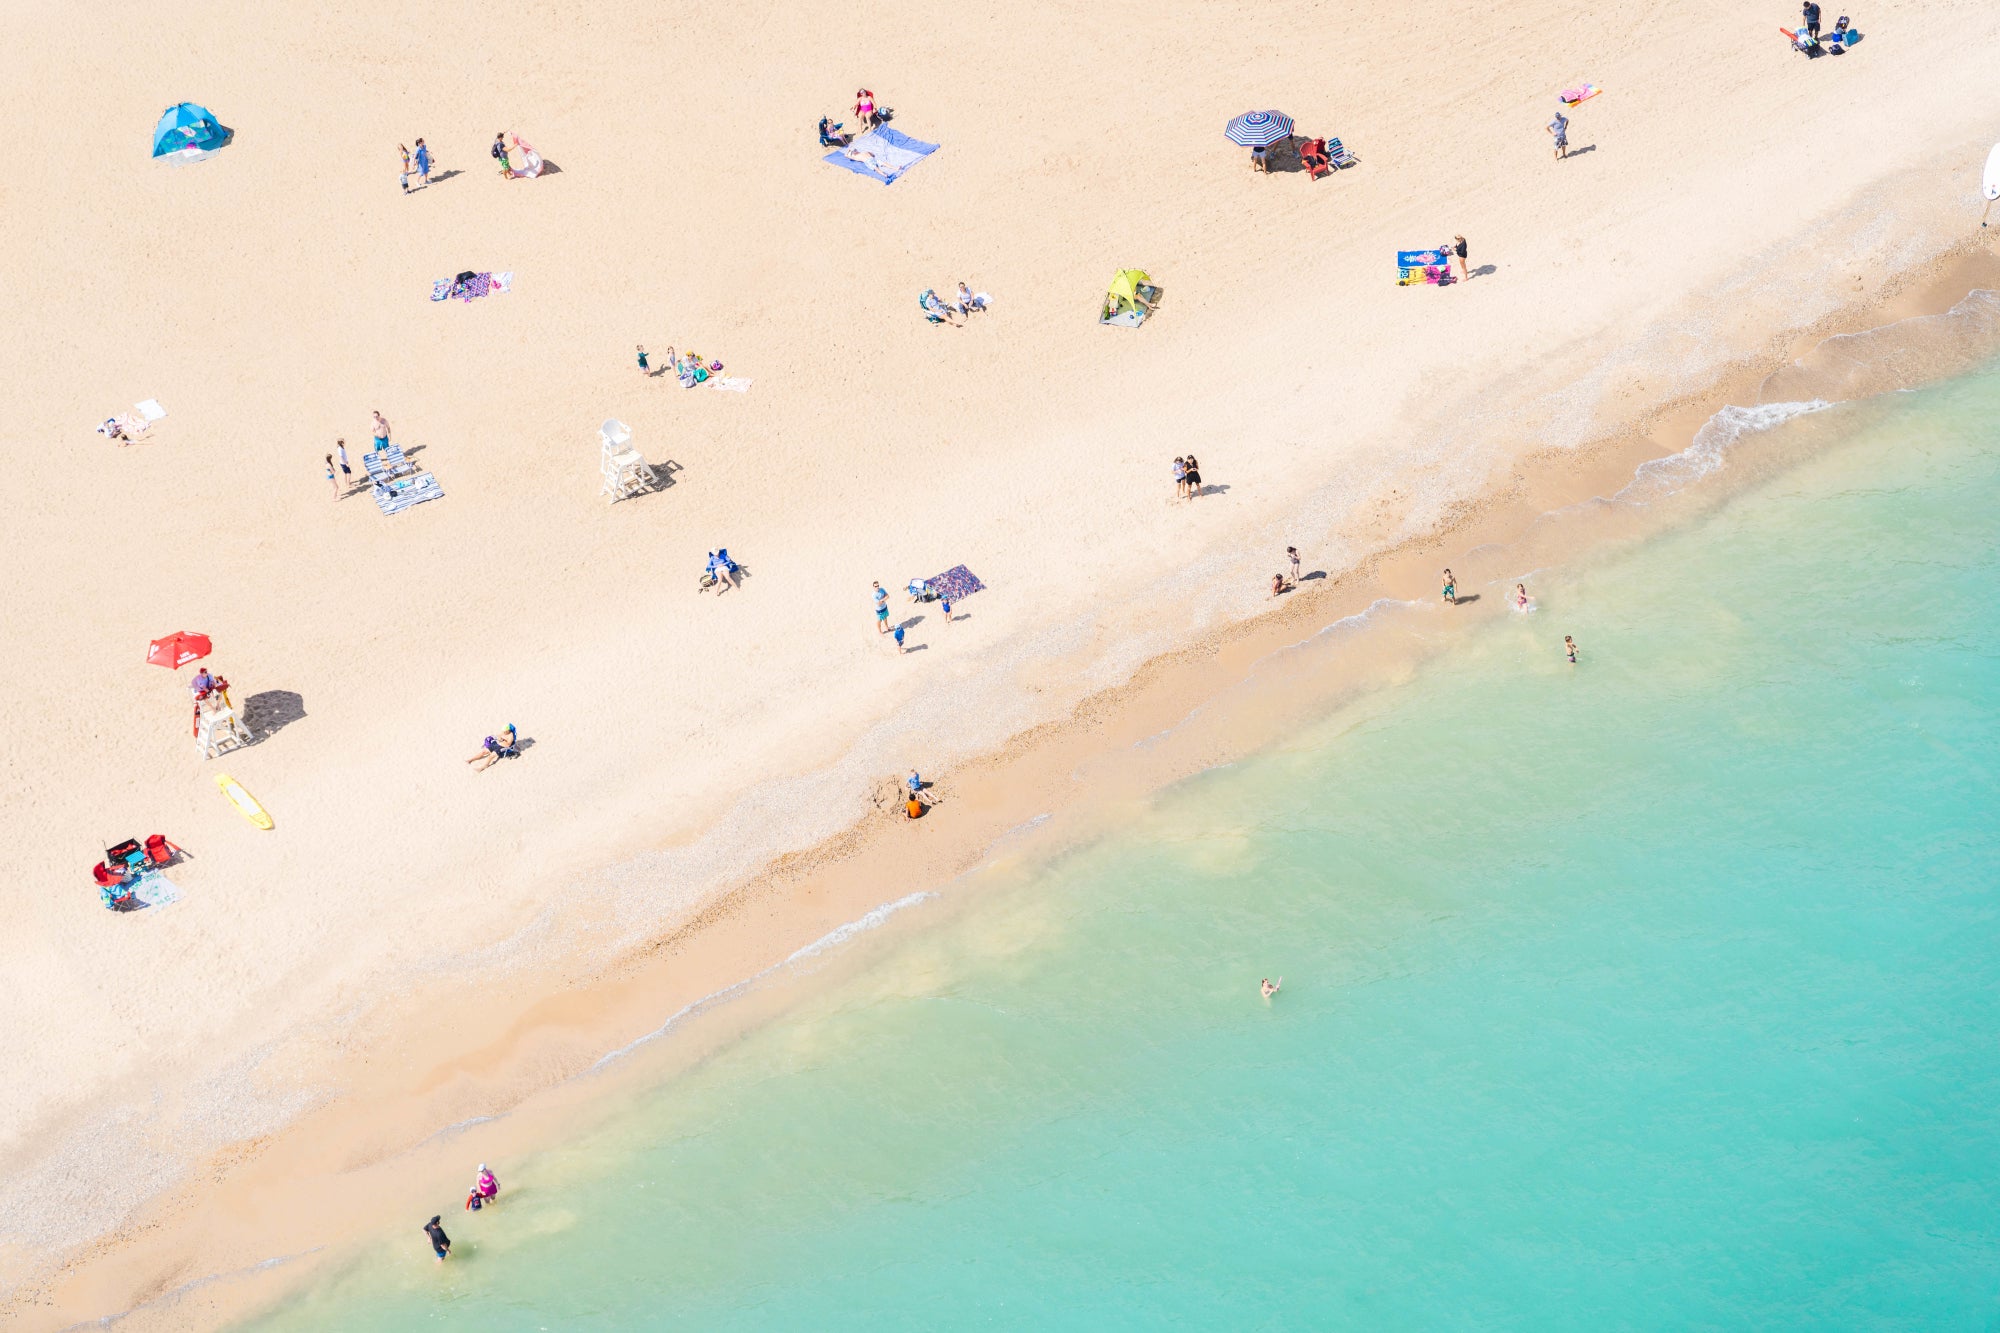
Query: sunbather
point(495, 748)
point(113, 429)
point(868, 160)
point(936, 310)
point(722, 571)
point(830, 135)
point(864, 108)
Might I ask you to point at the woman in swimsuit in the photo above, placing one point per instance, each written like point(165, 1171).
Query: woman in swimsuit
point(1450, 588)
point(1193, 477)
point(1520, 597)
point(864, 107)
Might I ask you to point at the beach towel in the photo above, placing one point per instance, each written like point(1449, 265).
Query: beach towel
point(734, 384)
point(1582, 93)
point(393, 497)
point(1418, 268)
point(882, 155)
point(955, 583)
point(474, 287)
point(156, 890)
point(150, 409)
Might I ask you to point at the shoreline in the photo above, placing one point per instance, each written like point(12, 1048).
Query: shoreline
point(519, 1060)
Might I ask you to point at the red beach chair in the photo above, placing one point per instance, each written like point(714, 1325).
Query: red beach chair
point(105, 879)
point(1312, 156)
point(159, 851)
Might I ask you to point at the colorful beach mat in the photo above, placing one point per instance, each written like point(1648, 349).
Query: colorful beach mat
point(882, 155)
point(955, 583)
point(474, 287)
point(1418, 268)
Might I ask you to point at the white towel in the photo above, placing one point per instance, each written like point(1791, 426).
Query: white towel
point(734, 384)
point(502, 283)
point(150, 409)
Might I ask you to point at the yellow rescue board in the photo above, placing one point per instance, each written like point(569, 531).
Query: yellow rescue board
point(246, 804)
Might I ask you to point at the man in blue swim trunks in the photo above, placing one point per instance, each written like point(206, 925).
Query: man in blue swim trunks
point(881, 610)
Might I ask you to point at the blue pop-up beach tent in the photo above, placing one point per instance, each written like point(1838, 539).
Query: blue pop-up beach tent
point(187, 126)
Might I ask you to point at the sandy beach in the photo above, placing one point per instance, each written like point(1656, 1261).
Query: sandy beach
point(412, 944)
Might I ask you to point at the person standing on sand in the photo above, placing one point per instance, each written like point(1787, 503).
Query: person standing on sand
point(899, 640)
point(643, 370)
point(1569, 646)
point(1180, 477)
point(945, 602)
point(332, 480)
point(500, 155)
point(881, 610)
point(1193, 477)
point(1292, 553)
point(346, 472)
point(1559, 127)
point(404, 179)
point(1450, 589)
point(381, 433)
point(440, 1243)
point(1811, 15)
point(423, 163)
point(1458, 252)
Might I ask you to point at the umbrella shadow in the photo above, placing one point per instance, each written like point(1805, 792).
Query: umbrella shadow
point(270, 711)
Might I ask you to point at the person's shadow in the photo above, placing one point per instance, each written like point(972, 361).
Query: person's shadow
point(1484, 271)
point(1465, 599)
point(443, 176)
point(1579, 152)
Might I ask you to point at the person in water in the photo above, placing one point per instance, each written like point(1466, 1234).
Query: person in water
point(1569, 646)
point(1450, 588)
point(1520, 597)
point(485, 1190)
point(440, 1243)
point(1271, 988)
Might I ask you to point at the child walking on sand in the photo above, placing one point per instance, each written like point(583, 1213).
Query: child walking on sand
point(404, 179)
point(332, 480)
point(642, 360)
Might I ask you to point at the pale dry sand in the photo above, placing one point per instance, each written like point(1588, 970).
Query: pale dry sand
point(272, 296)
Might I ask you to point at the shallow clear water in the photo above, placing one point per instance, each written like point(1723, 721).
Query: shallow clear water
point(1662, 991)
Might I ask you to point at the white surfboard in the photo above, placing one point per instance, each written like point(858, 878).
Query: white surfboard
point(1993, 173)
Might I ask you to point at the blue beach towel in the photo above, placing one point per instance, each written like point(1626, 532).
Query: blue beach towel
point(882, 155)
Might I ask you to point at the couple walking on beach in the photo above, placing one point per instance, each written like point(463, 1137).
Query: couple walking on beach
point(1187, 477)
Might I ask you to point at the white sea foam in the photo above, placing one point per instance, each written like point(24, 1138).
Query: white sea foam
point(832, 939)
point(1709, 451)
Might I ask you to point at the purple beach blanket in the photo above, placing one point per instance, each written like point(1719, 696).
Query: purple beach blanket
point(955, 584)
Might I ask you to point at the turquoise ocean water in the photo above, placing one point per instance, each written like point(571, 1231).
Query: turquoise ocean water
point(1659, 992)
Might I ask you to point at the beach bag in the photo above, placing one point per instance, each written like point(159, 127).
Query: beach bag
point(464, 277)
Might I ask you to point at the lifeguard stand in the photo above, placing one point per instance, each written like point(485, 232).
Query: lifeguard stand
point(624, 469)
point(217, 728)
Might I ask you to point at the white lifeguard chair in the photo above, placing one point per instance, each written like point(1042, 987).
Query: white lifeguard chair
point(624, 469)
point(217, 729)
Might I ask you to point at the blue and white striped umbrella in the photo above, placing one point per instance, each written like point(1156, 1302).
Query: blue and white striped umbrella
point(1259, 129)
